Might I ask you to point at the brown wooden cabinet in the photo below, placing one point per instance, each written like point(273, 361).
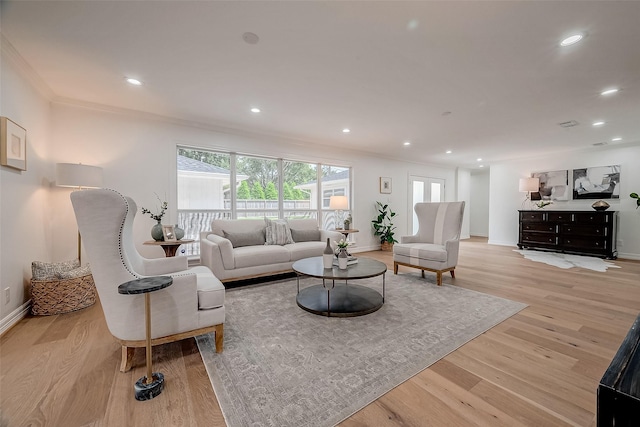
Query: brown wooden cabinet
point(579, 232)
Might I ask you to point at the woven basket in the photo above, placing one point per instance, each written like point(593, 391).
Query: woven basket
point(58, 296)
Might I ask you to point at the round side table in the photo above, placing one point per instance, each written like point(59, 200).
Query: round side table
point(152, 384)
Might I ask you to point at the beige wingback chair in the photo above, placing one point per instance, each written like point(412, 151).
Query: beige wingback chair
point(435, 246)
point(192, 306)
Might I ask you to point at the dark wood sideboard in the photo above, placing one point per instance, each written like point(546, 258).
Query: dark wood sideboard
point(579, 232)
point(619, 388)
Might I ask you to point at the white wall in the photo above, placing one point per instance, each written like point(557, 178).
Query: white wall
point(138, 156)
point(463, 192)
point(479, 218)
point(25, 221)
point(505, 200)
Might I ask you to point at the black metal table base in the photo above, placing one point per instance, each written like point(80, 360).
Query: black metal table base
point(340, 301)
point(144, 391)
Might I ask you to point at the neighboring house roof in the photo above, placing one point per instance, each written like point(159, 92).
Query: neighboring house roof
point(192, 165)
point(333, 177)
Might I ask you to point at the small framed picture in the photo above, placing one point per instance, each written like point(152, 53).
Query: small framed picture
point(13, 145)
point(169, 233)
point(385, 185)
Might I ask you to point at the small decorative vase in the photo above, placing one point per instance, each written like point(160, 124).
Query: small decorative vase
point(327, 256)
point(600, 205)
point(156, 232)
point(342, 259)
point(179, 232)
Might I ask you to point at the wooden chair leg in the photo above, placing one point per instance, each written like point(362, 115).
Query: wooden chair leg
point(453, 274)
point(219, 338)
point(439, 278)
point(127, 358)
point(395, 267)
point(422, 271)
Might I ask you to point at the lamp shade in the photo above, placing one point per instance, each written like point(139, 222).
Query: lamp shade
point(339, 202)
point(78, 175)
point(529, 184)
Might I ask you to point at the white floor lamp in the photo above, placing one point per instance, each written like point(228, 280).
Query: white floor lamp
point(78, 176)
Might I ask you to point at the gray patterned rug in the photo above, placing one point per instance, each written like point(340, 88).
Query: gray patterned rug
point(283, 366)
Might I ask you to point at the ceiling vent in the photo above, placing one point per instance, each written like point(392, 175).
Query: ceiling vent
point(569, 124)
point(600, 144)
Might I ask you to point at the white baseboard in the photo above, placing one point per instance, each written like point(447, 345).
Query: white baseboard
point(635, 257)
point(14, 317)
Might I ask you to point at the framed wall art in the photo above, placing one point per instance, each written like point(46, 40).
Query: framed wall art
point(385, 185)
point(602, 182)
point(13, 145)
point(553, 185)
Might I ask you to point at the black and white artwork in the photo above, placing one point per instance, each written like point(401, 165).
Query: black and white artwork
point(602, 182)
point(553, 185)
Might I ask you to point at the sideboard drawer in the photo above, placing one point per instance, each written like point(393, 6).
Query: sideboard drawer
point(532, 216)
point(537, 226)
point(590, 217)
point(583, 230)
point(594, 244)
point(539, 238)
point(559, 216)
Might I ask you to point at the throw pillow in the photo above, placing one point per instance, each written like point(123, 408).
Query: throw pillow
point(305, 235)
point(245, 239)
point(278, 232)
point(76, 272)
point(48, 270)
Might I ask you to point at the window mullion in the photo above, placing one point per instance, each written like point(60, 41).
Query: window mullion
point(232, 185)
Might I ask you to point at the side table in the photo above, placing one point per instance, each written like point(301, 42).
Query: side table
point(346, 232)
point(152, 384)
point(170, 248)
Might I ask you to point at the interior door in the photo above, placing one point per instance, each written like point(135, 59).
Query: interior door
point(423, 189)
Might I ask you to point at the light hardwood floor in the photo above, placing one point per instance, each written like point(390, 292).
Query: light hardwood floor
point(540, 367)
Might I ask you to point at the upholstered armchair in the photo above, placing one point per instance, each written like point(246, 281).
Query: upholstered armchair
point(435, 246)
point(192, 306)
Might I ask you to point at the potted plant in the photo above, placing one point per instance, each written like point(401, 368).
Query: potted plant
point(383, 226)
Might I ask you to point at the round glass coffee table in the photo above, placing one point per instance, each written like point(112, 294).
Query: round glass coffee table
point(342, 299)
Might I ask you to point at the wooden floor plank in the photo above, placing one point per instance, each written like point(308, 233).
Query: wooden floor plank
point(539, 367)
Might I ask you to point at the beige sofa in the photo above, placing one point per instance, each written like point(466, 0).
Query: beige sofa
point(236, 249)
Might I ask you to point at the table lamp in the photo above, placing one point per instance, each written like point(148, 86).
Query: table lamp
point(78, 176)
point(339, 204)
point(527, 185)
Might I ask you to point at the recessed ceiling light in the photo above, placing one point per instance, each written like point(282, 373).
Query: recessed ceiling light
point(616, 139)
point(406, 143)
point(479, 159)
point(609, 91)
point(573, 39)
point(346, 130)
point(448, 152)
point(134, 82)
point(255, 110)
point(481, 166)
point(597, 123)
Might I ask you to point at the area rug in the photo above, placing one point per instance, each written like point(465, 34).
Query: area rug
point(283, 366)
point(567, 261)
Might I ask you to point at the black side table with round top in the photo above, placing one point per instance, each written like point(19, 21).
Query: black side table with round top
point(152, 384)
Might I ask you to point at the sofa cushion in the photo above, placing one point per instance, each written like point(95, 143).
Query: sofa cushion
point(305, 235)
point(278, 232)
point(250, 256)
point(250, 238)
point(219, 226)
point(301, 250)
point(426, 251)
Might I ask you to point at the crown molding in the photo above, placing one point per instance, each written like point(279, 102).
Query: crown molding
point(10, 53)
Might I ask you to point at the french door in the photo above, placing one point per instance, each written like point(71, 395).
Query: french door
point(423, 189)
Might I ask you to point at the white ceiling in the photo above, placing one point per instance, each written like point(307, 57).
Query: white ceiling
point(387, 70)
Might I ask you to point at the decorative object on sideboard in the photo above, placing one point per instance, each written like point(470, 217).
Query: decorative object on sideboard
point(528, 185)
point(13, 141)
point(600, 205)
point(383, 227)
point(156, 230)
point(78, 176)
point(542, 203)
point(635, 196)
point(339, 204)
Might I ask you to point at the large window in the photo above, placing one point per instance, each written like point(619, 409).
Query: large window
point(262, 187)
